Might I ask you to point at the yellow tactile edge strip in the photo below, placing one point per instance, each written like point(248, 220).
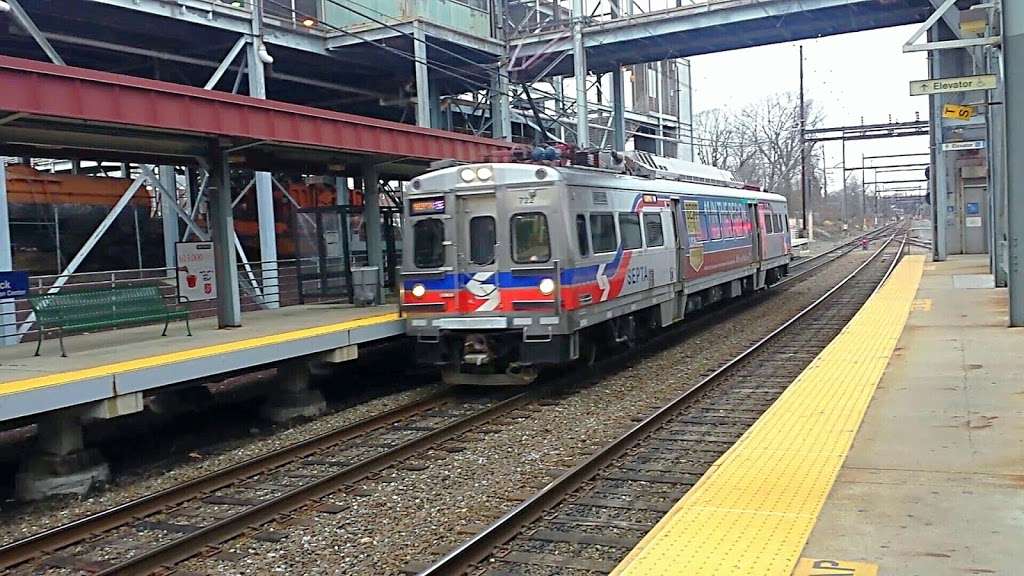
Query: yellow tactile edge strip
point(752, 512)
point(59, 378)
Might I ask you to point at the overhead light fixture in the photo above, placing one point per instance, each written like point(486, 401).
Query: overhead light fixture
point(308, 22)
point(4, 6)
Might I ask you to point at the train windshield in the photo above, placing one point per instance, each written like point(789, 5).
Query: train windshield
point(428, 243)
point(482, 238)
point(531, 242)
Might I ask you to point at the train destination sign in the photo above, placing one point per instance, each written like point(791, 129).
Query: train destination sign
point(967, 145)
point(957, 84)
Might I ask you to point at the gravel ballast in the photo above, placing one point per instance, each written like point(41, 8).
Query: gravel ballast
point(404, 518)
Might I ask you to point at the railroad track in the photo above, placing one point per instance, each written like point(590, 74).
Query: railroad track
point(164, 528)
point(585, 521)
point(158, 531)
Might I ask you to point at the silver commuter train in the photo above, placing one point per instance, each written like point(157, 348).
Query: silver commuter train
point(510, 267)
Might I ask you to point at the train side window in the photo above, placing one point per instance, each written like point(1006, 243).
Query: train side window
point(769, 223)
point(629, 229)
point(714, 223)
point(482, 238)
point(602, 233)
point(730, 223)
point(428, 243)
point(668, 228)
point(783, 224)
point(531, 241)
point(653, 230)
point(581, 235)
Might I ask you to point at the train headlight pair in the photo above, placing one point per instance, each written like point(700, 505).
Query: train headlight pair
point(418, 290)
point(481, 174)
point(546, 286)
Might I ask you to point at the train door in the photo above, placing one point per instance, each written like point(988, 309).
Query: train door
point(476, 262)
point(755, 235)
point(762, 230)
point(680, 236)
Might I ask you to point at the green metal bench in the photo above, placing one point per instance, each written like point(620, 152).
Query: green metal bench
point(92, 309)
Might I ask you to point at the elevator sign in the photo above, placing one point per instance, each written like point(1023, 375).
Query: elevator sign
point(967, 145)
point(958, 84)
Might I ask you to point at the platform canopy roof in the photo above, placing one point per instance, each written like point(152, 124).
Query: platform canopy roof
point(53, 111)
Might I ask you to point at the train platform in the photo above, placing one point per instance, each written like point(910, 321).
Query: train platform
point(119, 366)
point(898, 450)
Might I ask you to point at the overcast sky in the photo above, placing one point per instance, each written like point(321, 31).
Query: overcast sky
point(851, 77)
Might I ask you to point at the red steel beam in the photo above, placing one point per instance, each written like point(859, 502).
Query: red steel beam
point(44, 89)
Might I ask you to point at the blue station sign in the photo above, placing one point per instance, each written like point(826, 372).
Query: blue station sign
point(13, 284)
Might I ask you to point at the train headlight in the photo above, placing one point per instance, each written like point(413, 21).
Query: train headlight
point(546, 286)
point(467, 175)
point(419, 290)
point(484, 173)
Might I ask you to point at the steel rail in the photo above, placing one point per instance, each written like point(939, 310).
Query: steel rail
point(78, 530)
point(480, 546)
point(195, 542)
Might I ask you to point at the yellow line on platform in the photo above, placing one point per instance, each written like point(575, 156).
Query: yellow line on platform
point(752, 512)
point(191, 354)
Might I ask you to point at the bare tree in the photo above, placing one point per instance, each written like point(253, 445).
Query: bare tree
point(760, 143)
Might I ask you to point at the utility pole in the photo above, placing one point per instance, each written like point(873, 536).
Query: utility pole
point(805, 197)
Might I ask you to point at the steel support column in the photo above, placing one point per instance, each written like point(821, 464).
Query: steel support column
point(222, 228)
point(169, 216)
point(940, 65)
point(1013, 52)
point(579, 56)
point(371, 219)
point(8, 331)
point(423, 103)
point(264, 188)
point(618, 109)
point(997, 169)
point(501, 118)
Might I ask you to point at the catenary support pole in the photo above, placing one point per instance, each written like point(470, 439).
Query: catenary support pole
point(1013, 50)
point(222, 227)
point(804, 194)
point(579, 57)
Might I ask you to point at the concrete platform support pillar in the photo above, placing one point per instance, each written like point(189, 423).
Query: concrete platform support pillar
point(423, 92)
point(292, 396)
point(222, 228)
point(8, 330)
point(170, 218)
point(61, 464)
point(1013, 51)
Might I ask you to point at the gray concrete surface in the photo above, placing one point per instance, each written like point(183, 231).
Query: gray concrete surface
point(934, 483)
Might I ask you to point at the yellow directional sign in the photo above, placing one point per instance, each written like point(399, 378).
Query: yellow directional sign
point(957, 112)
